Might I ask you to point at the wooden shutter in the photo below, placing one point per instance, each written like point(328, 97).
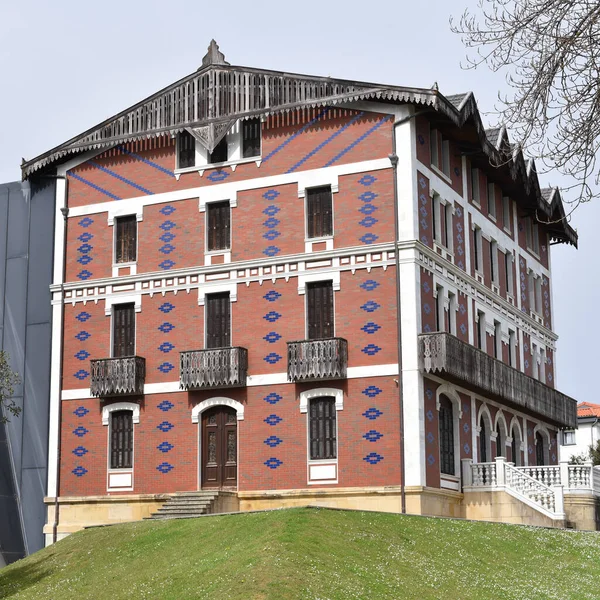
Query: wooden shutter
point(218, 332)
point(251, 138)
point(126, 242)
point(186, 146)
point(446, 428)
point(121, 439)
point(322, 429)
point(123, 330)
point(319, 212)
point(218, 225)
point(320, 310)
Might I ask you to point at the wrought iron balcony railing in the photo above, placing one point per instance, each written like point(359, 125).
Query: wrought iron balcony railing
point(217, 367)
point(447, 356)
point(118, 376)
point(312, 360)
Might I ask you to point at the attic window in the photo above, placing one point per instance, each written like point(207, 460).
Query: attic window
point(186, 150)
point(251, 138)
point(219, 154)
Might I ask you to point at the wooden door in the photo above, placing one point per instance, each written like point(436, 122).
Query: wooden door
point(219, 448)
point(123, 330)
point(218, 321)
point(320, 310)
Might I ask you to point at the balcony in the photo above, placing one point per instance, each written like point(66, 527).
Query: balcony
point(118, 376)
point(314, 360)
point(214, 368)
point(445, 355)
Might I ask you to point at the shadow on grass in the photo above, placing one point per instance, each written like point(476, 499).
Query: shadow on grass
point(21, 575)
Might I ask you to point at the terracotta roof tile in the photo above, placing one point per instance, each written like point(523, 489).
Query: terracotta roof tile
point(587, 409)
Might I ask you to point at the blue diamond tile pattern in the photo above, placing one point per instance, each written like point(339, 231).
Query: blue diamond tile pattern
point(372, 435)
point(429, 415)
point(372, 391)
point(167, 210)
point(167, 249)
point(272, 398)
point(271, 222)
point(165, 447)
point(373, 458)
point(86, 259)
point(166, 347)
point(82, 317)
point(80, 431)
point(85, 274)
point(165, 426)
point(273, 441)
point(86, 236)
point(218, 176)
point(369, 285)
point(167, 225)
point(273, 463)
point(166, 307)
point(85, 248)
point(86, 222)
point(371, 327)
point(82, 355)
point(273, 420)
point(430, 438)
point(369, 238)
point(371, 349)
point(272, 358)
point(272, 337)
point(272, 296)
point(367, 180)
point(167, 237)
point(467, 449)
point(272, 316)
point(368, 209)
point(271, 250)
point(79, 471)
point(372, 413)
point(367, 196)
point(370, 306)
point(165, 265)
point(368, 222)
point(165, 367)
point(271, 195)
point(82, 336)
point(81, 411)
point(271, 235)
point(166, 327)
point(165, 405)
point(165, 467)
point(430, 460)
point(80, 451)
point(81, 374)
point(271, 210)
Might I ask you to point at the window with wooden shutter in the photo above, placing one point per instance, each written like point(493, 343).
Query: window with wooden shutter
point(121, 439)
point(186, 150)
point(218, 320)
point(218, 224)
point(320, 310)
point(250, 138)
point(319, 212)
point(126, 239)
point(322, 429)
point(219, 154)
point(123, 330)
point(446, 426)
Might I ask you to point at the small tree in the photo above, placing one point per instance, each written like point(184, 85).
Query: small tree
point(579, 459)
point(595, 453)
point(8, 379)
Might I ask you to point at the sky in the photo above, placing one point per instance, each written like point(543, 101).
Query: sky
point(66, 66)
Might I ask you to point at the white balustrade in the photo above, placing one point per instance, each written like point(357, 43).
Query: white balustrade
point(548, 475)
point(580, 477)
point(483, 474)
point(534, 490)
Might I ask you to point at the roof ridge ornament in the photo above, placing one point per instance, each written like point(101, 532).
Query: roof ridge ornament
point(213, 56)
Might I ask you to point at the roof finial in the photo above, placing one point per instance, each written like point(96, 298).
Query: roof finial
point(213, 56)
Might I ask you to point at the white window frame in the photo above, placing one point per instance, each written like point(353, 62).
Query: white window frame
point(478, 241)
point(494, 263)
point(571, 440)
point(506, 214)
point(491, 200)
point(482, 321)
point(498, 340)
point(445, 166)
point(512, 348)
point(439, 308)
point(510, 279)
point(475, 187)
point(434, 148)
point(452, 308)
point(448, 229)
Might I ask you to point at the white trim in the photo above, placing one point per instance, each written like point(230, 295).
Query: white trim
point(333, 276)
point(110, 301)
point(450, 392)
point(319, 393)
point(216, 288)
point(116, 210)
point(134, 407)
point(217, 401)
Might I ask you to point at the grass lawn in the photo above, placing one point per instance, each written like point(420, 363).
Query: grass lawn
point(311, 553)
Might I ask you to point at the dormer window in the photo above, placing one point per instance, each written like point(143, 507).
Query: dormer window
point(251, 138)
point(186, 150)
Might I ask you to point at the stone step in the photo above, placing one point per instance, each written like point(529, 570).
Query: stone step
point(190, 503)
point(183, 513)
point(164, 509)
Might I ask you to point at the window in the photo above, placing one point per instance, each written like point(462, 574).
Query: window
point(531, 290)
point(512, 348)
point(251, 138)
point(451, 313)
point(446, 157)
point(219, 154)
point(497, 340)
point(484, 436)
point(481, 330)
point(446, 426)
point(440, 152)
point(540, 450)
point(543, 365)
point(435, 217)
point(535, 358)
point(448, 226)
point(515, 446)
point(218, 224)
point(218, 320)
point(186, 150)
point(500, 442)
point(319, 212)
point(506, 213)
point(125, 239)
point(123, 330)
point(475, 186)
point(536, 238)
point(494, 261)
point(319, 298)
point(509, 273)
point(322, 429)
point(568, 437)
point(440, 321)
point(538, 295)
point(477, 248)
point(532, 235)
point(434, 145)
point(492, 200)
point(121, 439)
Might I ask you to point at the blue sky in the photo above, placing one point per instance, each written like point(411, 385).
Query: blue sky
point(66, 65)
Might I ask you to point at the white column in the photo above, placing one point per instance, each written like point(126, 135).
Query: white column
point(467, 473)
point(500, 471)
point(559, 502)
point(564, 473)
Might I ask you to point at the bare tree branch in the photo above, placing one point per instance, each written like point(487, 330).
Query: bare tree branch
point(8, 379)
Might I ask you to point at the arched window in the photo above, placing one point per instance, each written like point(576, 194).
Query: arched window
point(322, 428)
point(539, 449)
point(500, 441)
point(446, 420)
point(484, 436)
point(515, 446)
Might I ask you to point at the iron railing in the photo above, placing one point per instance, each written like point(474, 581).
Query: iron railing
point(118, 376)
point(312, 360)
point(217, 367)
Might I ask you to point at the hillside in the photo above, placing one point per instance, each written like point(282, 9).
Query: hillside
point(311, 553)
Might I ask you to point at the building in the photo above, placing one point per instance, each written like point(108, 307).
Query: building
point(577, 442)
point(229, 304)
point(26, 246)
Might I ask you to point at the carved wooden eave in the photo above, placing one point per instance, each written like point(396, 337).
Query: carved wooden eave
point(207, 102)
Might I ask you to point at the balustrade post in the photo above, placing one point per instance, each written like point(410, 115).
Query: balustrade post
point(590, 469)
point(467, 473)
point(559, 503)
point(500, 471)
point(564, 473)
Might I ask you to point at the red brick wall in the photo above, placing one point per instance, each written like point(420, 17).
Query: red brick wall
point(89, 247)
point(425, 208)
point(428, 316)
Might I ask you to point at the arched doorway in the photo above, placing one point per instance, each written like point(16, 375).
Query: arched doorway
point(539, 449)
point(484, 440)
point(500, 441)
point(218, 448)
point(515, 445)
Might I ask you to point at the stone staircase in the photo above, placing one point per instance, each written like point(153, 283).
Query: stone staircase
point(184, 505)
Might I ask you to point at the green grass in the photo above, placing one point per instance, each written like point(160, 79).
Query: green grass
point(311, 553)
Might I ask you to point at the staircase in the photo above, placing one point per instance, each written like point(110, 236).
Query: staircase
point(185, 505)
